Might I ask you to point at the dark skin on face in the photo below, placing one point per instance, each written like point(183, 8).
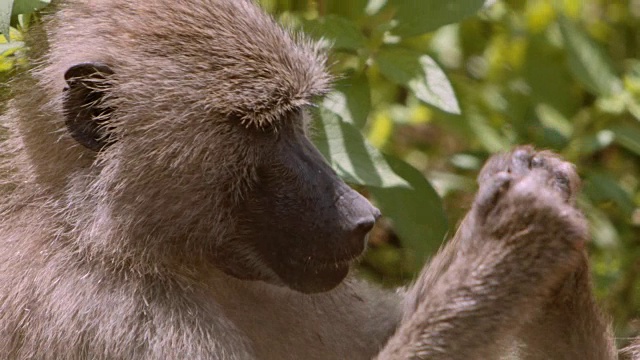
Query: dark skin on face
point(300, 219)
point(303, 213)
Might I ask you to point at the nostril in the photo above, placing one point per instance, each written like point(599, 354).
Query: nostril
point(364, 225)
point(356, 236)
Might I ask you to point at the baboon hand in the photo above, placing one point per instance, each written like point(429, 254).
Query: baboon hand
point(519, 249)
point(546, 169)
point(526, 202)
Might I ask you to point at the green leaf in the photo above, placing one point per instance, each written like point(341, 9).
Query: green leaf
point(12, 46)
point(28, 6)
point(352, 157)
point(421, 74)
point(417, 212)
point(544, 63)
point(628, 137)
point(344, 33)
point(588, 62)
point(603, 187)
point(5, 17)
point(488, 136)
point(591, 143)
point(374, 6)
point(351, 99)
point(282, 6)
point(603, 232)
point(352, 9)
point(416, 17)
point(553, 119)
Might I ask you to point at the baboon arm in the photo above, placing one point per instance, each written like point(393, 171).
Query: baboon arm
point(452, 313)
point(569, 325)
point(631, 352)
point(521, 242)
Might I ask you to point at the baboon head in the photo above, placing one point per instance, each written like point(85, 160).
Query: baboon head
point(195, 115)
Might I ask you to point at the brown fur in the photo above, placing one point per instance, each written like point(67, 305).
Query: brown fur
point(157, 247)
point(515, 276)
point(631, 352)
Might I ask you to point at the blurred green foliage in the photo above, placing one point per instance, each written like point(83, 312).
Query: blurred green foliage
point(427, 90)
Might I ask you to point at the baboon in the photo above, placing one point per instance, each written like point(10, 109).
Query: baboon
point(161, 200)
point(631, 352)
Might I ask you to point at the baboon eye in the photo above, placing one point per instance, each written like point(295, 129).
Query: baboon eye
point(86, 116)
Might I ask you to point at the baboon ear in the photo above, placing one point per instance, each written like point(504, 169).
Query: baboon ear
point(86, 116)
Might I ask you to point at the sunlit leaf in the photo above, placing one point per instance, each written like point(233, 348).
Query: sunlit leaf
point(348, 152)
point(553, 119)
point(7, 48)
point(5, 17)
point(446, 182)
point(417, 17)
point(488, 136)
point(28, 6)
point(588, 62)
point(381, 129)
point(351, 99)
point(373, 6)
point(614, 104)
point(417, 212)
point(421, 74)
point(539, 14)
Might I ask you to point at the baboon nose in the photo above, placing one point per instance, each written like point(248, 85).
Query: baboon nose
point(365, 224)
point(376, 214)
point(356, 236)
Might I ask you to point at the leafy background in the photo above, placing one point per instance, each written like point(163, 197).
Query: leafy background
point(427, 90)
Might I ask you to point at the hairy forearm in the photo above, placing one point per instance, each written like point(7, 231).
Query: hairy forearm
point(570, 324)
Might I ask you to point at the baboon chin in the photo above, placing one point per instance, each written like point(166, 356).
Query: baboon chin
point(161, 200)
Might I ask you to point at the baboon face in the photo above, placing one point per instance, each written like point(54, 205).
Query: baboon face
point(307, 224)
point(259, 201)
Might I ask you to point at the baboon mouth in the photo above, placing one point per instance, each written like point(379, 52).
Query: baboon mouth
point(311, 274)
point(341, 257)
point(315, 279)
point(325, 262)
point(344, 258)
point(347, 256)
